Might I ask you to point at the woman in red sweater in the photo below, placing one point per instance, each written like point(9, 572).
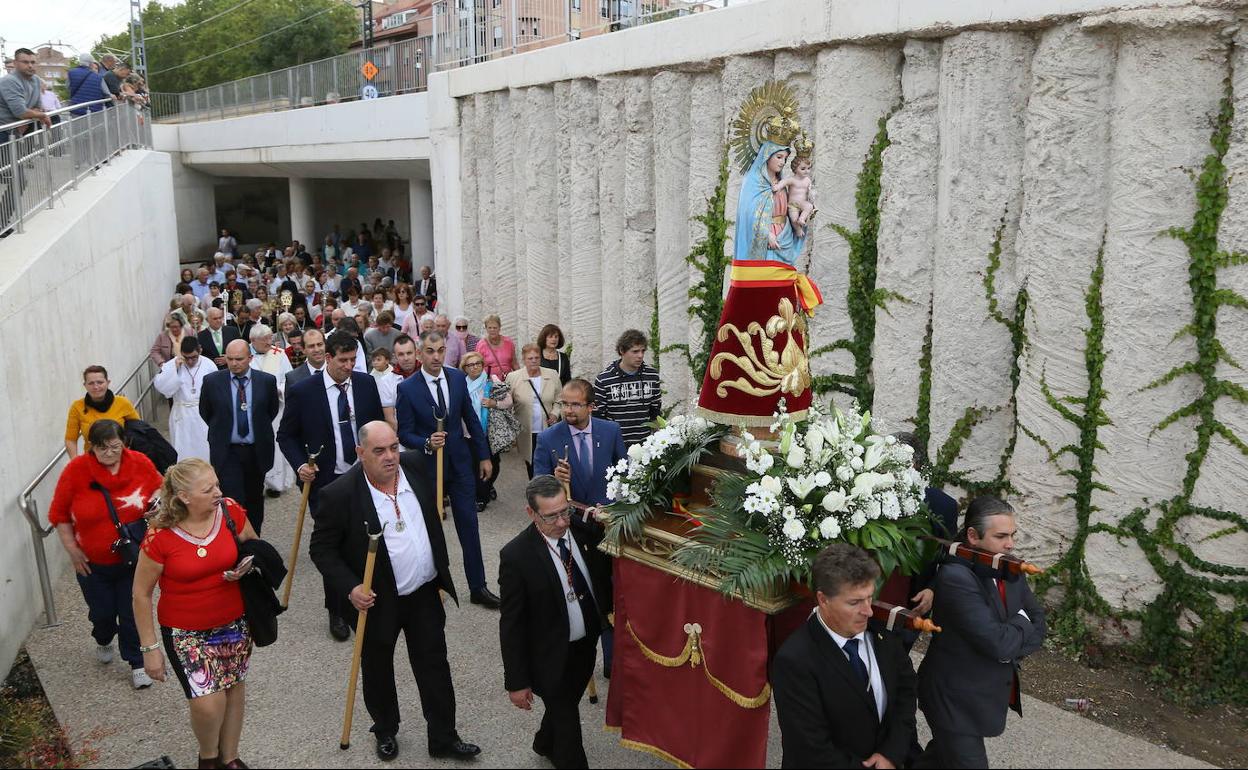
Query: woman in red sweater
point(86, 529)
point(190, 551)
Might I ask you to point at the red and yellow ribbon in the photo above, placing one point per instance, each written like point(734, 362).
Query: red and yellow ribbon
point(747, 273)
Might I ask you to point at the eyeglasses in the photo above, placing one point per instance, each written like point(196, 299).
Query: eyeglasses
point(110, 448)
point(463, 327)
point(571, 404)
point(552, 518)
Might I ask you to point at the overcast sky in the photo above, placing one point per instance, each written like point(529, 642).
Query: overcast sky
point(76, 23)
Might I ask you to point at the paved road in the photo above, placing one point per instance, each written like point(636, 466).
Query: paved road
point(295, 689)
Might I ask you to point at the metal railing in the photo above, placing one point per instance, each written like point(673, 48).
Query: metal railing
point(401, 68)
point(473, 31)
point(140, 380)
point(37, 166)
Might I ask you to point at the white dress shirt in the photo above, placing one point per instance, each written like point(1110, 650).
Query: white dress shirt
point(388, 388)
point(331, 393)
point(866, 651)
point(433, 393)
point(411, 553)
point(576, 619)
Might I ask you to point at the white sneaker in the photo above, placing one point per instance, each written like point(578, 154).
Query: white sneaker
point(104, 653)
point(140, 679)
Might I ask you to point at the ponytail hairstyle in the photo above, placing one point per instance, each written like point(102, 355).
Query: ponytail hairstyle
point(178, 478)
point(979, 511)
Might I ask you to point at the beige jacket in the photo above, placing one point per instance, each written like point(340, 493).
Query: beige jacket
point(525, 402)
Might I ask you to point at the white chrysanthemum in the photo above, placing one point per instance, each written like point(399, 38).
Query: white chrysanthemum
point(909, 505)
point(873, 509)
point(891, 506)
point(859, 450)
point(794, 529)
point(789, 512)
point(855, 464)
point(890, 440)
point(823, 478)
point(830, 528)
point(858, 520)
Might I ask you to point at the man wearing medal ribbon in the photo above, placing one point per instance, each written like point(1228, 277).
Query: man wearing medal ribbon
point(182, 379)
point(759, 355)
point(387, 492)
point(549, 639)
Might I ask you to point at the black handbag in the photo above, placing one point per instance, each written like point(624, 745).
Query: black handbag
point(260, 603)
point(128, 535)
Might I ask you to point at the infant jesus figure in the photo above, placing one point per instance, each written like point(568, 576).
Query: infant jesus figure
point(801, 194)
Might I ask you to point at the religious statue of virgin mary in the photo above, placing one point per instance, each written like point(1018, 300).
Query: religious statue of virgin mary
point(759, 356)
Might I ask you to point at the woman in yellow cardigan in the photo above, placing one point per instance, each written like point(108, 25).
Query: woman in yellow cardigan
point(534, 391)
point(100, 403)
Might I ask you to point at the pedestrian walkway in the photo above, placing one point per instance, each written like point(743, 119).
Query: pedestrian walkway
point(295, 690)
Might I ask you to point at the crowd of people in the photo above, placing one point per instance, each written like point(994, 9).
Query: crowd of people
point(341, 371)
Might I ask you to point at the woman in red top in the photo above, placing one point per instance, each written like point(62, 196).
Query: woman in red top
point(189, 550)
point(86, 529)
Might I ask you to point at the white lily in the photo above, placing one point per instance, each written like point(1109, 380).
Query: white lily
point(814, 440)
point(875, 453)
point(801, 485)
point(866, 483)
point(771, 484)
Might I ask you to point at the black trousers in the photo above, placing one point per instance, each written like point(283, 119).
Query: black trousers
point(242, 478)
point(107, 591)
point(484, 488)
point(338, 606)
point(559, 737)
point(422, 620)
point(954, 750)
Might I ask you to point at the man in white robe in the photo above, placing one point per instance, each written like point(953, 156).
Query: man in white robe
point(268, 358)
point(182, 379)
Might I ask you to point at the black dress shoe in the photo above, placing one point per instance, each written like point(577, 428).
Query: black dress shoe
point(480, 507)
point(543, 750)
point(486, 599)
point(387, 747)
point(456, 750)
point(493, 493)
point(338, 628)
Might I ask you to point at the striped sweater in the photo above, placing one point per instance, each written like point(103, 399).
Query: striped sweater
point(632, 400)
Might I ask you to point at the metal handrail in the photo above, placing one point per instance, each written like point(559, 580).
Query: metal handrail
point(53, 113)
point(30, 507)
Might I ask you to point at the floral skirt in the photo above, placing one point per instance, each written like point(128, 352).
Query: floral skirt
point(209, 661)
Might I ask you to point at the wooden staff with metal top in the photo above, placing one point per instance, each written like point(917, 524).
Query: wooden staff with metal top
point(592, 688)
point(441, 422)
point(294, 547)
point(369, 563)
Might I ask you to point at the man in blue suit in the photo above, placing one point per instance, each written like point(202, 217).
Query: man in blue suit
point(239, 405)
point(423, 397)
point(591, 445)
point(324, 411)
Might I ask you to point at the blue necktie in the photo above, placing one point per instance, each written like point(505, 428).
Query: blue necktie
point(855, 662)
point(344, 425)
point(589, 612)
point(584, 460)
point(240, 407)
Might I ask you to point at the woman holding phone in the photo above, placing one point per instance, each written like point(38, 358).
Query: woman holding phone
point(190, 550)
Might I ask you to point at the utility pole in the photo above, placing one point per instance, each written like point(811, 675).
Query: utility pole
point(368, 24)
point(138, 43)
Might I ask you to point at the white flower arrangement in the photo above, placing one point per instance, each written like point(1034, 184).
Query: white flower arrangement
point(641, 476)
point(829, 479)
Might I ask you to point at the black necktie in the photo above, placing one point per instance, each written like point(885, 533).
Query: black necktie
point(240, 407)
point(589, 611)
point(437, 385)
point(855, 662)
point(344, 425)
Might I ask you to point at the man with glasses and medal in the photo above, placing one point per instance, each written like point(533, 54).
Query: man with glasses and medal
point(182, 379)
point(556, 592)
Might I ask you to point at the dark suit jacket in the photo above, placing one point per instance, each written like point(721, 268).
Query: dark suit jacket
point(208, 348)
point(966, 678)
point(533, 624)
point(309, 422)
point(608, 450)
point(826, 717)
point(339, 544)
point(414, 408)
point(216, 407)
point(298, 374)
point(431, 291)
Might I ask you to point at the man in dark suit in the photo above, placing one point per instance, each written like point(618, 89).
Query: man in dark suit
point(212, 340)
point(324, 411)
point(590, 445)
point(314, 359)
point(434, 392)
point(968, 680)
point(239, 405)
point(427, 286)
point(386, 492)
point(556, 589)
point(844, 687)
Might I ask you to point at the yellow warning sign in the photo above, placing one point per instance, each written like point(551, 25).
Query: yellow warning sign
point(370, 70)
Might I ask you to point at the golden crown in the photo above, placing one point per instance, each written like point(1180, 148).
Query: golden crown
point(803, 147)
point(769, 114)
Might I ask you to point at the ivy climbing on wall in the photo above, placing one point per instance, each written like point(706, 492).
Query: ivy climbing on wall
point(707, 295)
point(863, 297)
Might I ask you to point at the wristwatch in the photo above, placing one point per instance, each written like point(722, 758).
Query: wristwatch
point(428, 448)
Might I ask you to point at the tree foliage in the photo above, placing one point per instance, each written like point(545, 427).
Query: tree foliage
point(330, 27)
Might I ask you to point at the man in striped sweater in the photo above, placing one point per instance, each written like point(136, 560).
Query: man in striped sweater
point(628, 391)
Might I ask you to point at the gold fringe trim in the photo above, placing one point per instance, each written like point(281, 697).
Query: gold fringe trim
point(693, 655)
point(654, 751)
point(748, 421)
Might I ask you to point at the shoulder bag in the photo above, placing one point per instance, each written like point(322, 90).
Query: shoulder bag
point(129, 535)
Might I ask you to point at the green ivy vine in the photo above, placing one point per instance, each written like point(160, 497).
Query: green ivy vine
point(707, 295)
point(863, 296)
